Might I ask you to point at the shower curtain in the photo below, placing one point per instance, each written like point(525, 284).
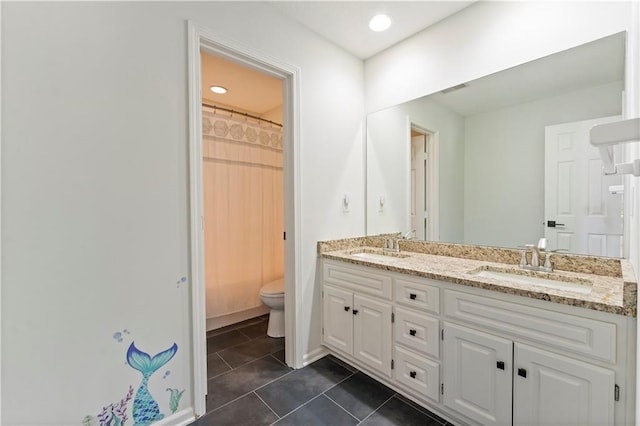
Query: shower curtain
point(243, 210)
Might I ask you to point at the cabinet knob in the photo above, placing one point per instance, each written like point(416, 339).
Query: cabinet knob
point(522, 372)
point(500, 365)
point(346, 308)
point(412, 296)
point(412, 332)
point(413, 374)
point(355, 312)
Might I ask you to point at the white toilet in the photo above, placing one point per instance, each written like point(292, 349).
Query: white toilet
point(272, 295)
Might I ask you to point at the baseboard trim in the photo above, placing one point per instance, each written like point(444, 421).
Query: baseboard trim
point(224, 320)
point(181, 418)
point(314, 355)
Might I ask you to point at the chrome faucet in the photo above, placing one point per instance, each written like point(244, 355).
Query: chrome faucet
point(407, 235)
point(535, 257)
point(547, 260)
point(391, 245)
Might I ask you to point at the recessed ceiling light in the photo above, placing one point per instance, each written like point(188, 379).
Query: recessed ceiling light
point(379, 23)
point(218, 89)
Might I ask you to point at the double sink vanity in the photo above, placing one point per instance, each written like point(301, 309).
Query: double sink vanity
point(483, 335)
point(467, 333)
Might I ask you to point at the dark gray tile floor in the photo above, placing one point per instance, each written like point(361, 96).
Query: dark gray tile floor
point(249, 384)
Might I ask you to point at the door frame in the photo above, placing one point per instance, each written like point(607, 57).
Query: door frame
point(419, 190)
point(433, 176)
point(203, 39)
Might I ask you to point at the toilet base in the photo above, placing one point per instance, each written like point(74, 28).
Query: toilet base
point(276, 323)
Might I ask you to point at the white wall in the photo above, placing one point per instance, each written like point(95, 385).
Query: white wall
point(491, 36)
point(387, 171)
point(504, 163)
point(388, 167)
point(95, 190)
point(487, 37)
point(484, 38)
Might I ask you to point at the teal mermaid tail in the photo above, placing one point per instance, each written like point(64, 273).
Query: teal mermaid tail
point(145, 408)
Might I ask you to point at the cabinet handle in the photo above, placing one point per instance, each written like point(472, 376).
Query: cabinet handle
point(522, 372)
point(412, 296)
point(355, 312)
point(346, 308)
point(412, 332)
point(500, 365)
point(413, 374)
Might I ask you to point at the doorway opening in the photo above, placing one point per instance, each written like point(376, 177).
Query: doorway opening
point(204, 41)
point(423, 183)
point(243, 190)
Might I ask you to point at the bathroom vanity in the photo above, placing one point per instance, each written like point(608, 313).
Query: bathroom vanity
point(500, 348)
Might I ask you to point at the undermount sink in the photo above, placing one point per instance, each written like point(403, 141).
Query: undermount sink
point(540, 279)
point(372, 254)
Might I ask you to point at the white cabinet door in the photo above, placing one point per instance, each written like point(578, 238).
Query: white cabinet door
point(338, 319)
point(372, 333)
point(477, 375)
point(551, 389)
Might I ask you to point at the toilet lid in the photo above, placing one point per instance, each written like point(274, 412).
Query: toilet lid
point(274, 287)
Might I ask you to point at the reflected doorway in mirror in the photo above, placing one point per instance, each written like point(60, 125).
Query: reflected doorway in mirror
point(581, 215)
point(423, 180)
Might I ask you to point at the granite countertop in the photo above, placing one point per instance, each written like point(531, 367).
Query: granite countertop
point(615, 292)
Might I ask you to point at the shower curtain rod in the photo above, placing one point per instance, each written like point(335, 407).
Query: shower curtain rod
point(233, 111)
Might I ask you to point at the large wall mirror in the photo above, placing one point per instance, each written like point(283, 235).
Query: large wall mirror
point(505, 160)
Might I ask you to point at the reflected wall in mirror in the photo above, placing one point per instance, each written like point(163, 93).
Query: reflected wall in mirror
point(480, 172)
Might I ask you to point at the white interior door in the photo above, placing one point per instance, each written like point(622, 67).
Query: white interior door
point(419, 157)
point(581, 215)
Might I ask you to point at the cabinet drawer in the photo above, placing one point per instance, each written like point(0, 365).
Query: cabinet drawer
point(417, 373)
point(417, 295)
point(417, 331)
point(585, 336)
point(364, 280)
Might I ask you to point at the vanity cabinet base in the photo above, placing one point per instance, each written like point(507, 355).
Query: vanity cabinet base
point(481, 357)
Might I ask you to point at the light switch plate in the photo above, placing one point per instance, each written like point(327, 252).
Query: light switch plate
point(346, 202)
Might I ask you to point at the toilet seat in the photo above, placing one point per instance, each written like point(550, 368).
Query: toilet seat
point(274, 288)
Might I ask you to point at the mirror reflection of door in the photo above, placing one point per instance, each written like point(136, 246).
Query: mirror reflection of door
point(419, 185)
point(581, 214)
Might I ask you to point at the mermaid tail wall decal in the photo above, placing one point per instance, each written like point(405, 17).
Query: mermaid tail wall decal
point(145, 408)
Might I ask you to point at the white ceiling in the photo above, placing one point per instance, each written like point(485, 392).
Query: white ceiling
point(346, 23)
